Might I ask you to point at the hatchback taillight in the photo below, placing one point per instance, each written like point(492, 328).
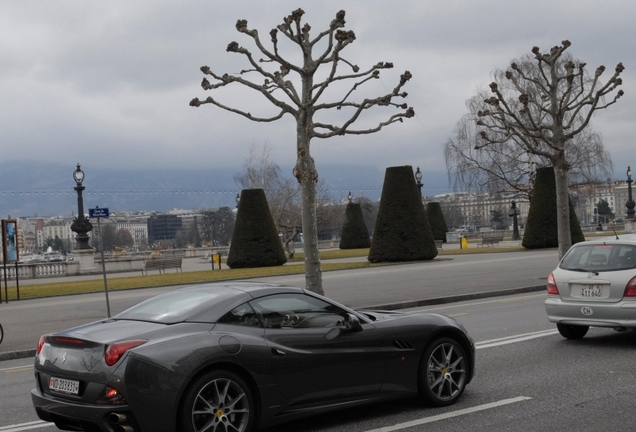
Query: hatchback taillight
point(630, 288)
point(552, 286)
point(115, 351)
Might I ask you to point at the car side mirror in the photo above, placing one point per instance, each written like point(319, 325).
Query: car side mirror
point(352, 323)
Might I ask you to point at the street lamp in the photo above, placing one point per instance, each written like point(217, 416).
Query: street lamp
point(80, 225)
point(238, 198)
point(350, 197)
point(514, 214)
point(630, 202)
point(418, 179)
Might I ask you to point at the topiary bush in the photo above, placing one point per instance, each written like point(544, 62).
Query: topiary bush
point(436, 221)
point(255, 241)
point(402, 231)
point(541, 227)
point(354, 229)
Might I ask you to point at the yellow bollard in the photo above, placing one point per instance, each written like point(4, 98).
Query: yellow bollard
point(216, 258)
point(463, 242)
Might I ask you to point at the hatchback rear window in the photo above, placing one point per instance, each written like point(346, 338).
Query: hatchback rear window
point(600, 257)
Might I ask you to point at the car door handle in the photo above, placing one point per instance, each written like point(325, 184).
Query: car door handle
point(278, 353)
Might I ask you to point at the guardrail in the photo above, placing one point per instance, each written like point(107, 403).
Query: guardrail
point(41, 270)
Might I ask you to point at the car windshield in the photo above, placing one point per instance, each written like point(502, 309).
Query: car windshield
point(600, 257)
point(172, 306)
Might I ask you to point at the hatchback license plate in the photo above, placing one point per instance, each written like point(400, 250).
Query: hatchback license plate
point(591, 291)
point(64, 385)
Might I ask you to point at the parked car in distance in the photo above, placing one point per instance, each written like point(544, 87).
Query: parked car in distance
point(594, 285)
point(242, 355)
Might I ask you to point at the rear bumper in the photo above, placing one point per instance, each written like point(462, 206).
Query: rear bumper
point(620, 314)
point(73, 416)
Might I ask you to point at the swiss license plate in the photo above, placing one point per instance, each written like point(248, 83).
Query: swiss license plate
point(592, 290)
point(64, 385)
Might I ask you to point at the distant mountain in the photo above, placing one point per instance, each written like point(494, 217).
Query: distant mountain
point(36, 189)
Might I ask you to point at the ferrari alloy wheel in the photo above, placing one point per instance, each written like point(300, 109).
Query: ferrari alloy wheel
point(572, 331)
point(218, 402)
point(443, 372)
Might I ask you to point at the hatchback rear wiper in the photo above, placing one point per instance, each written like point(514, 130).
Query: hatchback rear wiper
point(583, 270)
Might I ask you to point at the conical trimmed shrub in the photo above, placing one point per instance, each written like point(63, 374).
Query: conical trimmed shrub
point(436, 221)
point(541, 227)
point(255, 241)
point(402, 231)
point(354, 230)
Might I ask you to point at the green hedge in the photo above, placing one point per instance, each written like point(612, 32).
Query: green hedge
point(255, 241)
point(402, 231)
point(437, 221)
point(354, 230)
point(541, 227)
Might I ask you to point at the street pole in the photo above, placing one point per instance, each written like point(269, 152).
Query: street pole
point(514, 213)
point(101, 247)
point(630, 202)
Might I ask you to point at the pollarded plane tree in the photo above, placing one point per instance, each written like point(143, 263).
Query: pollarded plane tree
point(296, 89)
point(541, 103)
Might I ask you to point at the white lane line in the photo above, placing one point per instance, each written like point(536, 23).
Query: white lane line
point(26, 426)
point(452, 414)
point(514, 339)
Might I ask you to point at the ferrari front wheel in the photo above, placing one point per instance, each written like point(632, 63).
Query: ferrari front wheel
point(443, 372)
point(218, 401)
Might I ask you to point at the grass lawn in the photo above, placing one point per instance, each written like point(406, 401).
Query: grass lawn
point(295, 266)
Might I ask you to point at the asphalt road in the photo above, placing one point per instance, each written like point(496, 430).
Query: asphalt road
point(396, 286)
point(528, 378)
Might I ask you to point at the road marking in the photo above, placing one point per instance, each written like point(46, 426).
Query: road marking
point(458, 314)
point(26, 426)
point(452, 414)
point(514, 339)
point(17, 369)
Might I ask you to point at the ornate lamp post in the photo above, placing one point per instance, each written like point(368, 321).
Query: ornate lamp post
point(238, 199)
point(80, 225)
point(630, 202)
point(350, 197)
point(514, 214)
point(418, 179)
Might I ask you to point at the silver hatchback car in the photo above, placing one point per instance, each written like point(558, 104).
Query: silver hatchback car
point(594, 286)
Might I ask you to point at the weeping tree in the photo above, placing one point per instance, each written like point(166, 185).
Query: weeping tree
point(541, 103)
point(298, 90)
point(508, 165)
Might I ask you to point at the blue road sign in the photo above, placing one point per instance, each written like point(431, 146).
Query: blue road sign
point(98, 212)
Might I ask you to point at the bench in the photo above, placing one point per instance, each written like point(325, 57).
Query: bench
point(490, 241)
point(438, 243)
point(162, 264)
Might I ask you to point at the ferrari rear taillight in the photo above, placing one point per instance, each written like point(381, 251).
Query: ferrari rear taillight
point(552, 286)
point(115, 351)
point(41, 343)
point(630, 288)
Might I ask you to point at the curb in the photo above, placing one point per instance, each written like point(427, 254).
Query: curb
point(13, 355)
point(456, 298)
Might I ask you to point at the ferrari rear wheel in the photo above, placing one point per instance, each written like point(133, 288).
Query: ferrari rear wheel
point(218, 401)
point(443, 372)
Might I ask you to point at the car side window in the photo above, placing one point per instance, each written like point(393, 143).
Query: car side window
point(290, 311)
point(244, 315)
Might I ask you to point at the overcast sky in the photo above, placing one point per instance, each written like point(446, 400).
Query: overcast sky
point(108, 83)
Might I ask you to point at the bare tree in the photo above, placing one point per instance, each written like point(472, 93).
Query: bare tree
point(506, 166)
point(284, 196)
point(303, 102)
point(541, 103)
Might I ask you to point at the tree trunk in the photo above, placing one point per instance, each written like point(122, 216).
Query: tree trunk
point(563, 205)
point(305, 172)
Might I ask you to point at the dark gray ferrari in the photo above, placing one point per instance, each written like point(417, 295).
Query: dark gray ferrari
point(237, 356)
